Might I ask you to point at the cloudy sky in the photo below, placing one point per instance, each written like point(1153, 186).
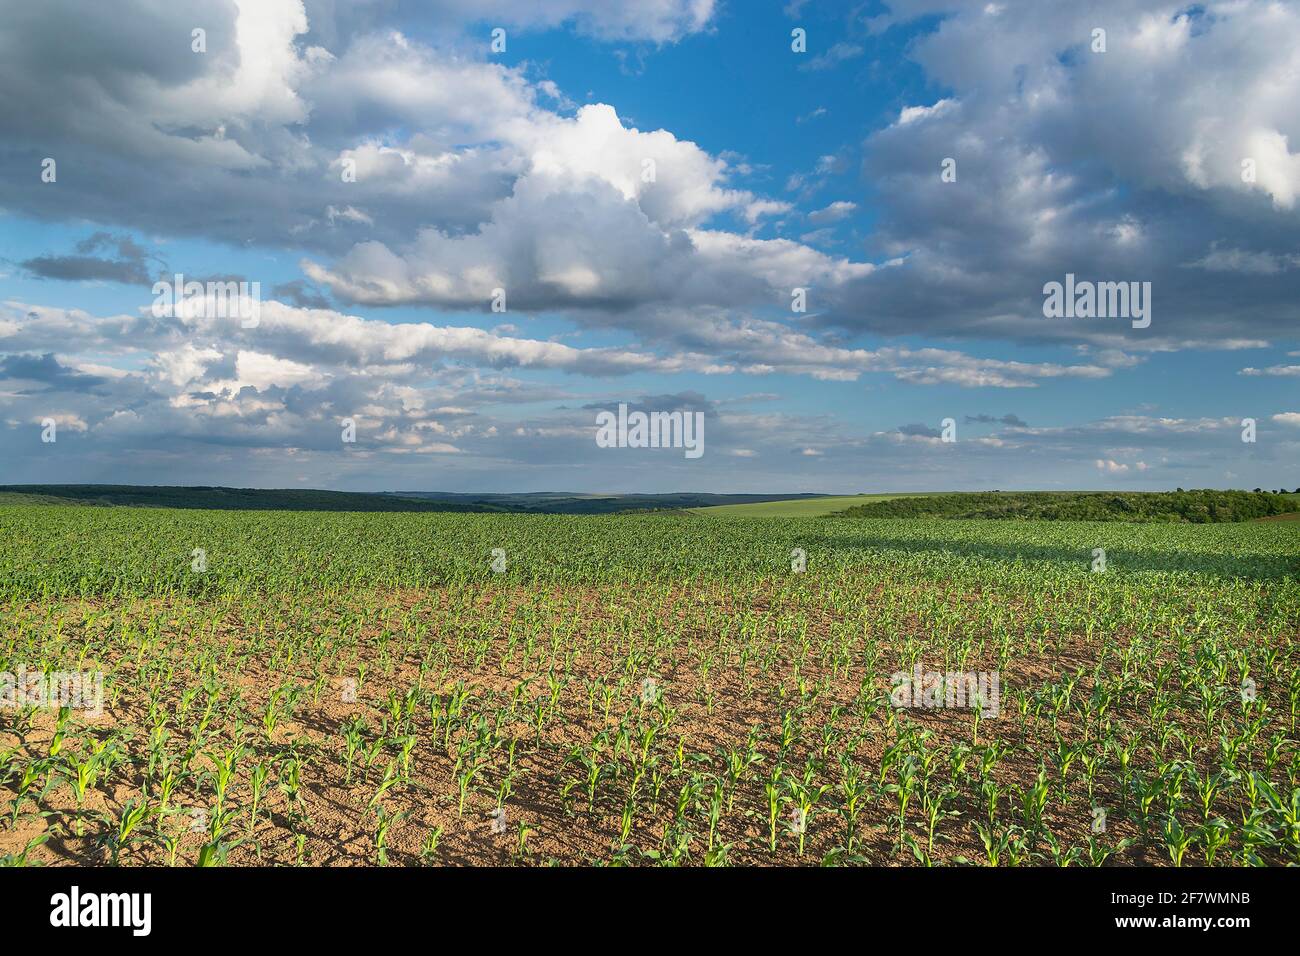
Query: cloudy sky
point(474, 225)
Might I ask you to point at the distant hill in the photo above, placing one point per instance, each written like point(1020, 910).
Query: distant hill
point(1196, 507)
point(297, 499)
point(21, 498)
point(548, 502)
point(1185, 506)
point(225, 499)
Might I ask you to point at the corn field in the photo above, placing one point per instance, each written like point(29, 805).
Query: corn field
point(335, 689)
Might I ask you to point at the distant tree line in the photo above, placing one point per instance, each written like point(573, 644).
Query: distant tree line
point(1195, 507)
point(252, 499)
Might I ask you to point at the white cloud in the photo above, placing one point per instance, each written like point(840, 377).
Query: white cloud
point(183, 365)
point(67, 420)
point(836, 211)
point(833, 56)
point(766, 207)
point(590, 223)
point(660, 21)
point(1053, 143)
point(912, 114)
point(1240, 260)
point(1285, 371)
point(264, 371)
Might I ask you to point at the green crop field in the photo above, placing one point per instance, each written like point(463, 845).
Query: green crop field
point(648, 689)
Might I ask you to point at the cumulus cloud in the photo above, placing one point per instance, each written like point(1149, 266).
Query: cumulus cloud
point(1111, 467)
point(602, 216)
point(1122, 165)
point(424, 175)
point(836, 211)
point(918, 431)
point(45, 373)
point(131, 263)
point(1013, 421)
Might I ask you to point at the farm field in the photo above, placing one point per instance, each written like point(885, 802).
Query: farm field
point(337, 689)
point(794, 508)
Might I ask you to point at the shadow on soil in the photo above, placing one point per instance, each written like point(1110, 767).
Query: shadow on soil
point(1259, 566)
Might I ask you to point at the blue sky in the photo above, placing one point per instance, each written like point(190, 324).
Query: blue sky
point(524, 170)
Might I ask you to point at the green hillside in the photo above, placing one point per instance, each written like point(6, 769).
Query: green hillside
point(793, 508)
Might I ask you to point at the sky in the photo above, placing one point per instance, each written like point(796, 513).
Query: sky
point(829, 229)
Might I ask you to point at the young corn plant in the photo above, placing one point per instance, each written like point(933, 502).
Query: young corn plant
point(1178, 839)
point(131, 815)
point(853, 790)
point(1033, 801)
point(805, 795)
point(257, 782)
point(995, 841)
point(772, 789)
point(522, 833)
point(384, 820)
point(1214, 835)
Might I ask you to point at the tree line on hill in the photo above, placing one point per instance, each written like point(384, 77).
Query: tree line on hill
point(1197, 507)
